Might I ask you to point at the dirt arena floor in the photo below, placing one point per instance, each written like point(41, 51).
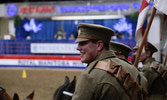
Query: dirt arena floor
point(43, 81)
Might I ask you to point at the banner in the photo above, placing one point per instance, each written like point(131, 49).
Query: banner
point(38, 61)
point(141, 19)
point(56, 48)
point(161, 5)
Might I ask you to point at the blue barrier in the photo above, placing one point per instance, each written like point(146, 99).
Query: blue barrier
point(22, 47)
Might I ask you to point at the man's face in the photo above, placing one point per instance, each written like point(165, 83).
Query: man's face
point(134, 54)
point(88, 51)
point(143, 57)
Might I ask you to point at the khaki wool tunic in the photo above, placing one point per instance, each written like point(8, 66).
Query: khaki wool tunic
point(156, 87)
point(98, 84)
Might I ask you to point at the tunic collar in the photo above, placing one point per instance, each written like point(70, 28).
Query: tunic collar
point(105, 55)
point(149, 61)
point(102, 56)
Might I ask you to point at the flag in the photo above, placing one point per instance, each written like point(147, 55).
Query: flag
point(144, 8)
point(163, 24)
point(165, 46)
point(164, 20)
point(161, 5)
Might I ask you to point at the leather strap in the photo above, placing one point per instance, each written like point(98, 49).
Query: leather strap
point(160, 70)
point(124, 77)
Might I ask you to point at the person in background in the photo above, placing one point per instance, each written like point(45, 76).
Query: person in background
point(118, 35)
point(130, 36)
point(134, 53)
point(121, 50)
point(155, 73)
point(72, 37)
point(106, 77)
point(60, 34)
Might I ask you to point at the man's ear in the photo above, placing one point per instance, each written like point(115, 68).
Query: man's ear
point(100, 45)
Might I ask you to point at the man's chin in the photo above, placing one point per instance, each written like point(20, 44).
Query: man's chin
point(84, 61)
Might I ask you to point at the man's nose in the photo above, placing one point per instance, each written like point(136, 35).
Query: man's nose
point(78, 47)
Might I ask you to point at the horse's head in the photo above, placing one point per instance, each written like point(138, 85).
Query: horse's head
point(4, 95)
point(29, 97)
point(65, 91)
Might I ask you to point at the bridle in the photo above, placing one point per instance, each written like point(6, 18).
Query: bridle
point(68, 93)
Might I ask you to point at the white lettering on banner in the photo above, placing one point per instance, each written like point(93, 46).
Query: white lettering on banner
point(52, 63)
point(59, 48)
point(26, 62)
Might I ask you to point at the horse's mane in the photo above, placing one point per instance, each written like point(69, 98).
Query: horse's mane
point(67, 87)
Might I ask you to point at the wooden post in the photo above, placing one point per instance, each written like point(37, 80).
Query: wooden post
point(164, 63)
point(144, 37)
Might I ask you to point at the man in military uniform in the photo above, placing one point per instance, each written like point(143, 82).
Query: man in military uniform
point(155, 73)
point(106, 76)
point(134, 53)
point(121, 50)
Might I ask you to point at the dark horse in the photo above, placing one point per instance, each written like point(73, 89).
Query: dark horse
point(65, 91)
point(4, 95)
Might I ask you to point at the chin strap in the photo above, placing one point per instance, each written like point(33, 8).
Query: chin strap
point(68, 93)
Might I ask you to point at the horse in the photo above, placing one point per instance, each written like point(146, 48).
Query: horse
point(29, 97)
point(5, 96)
point(65, 91)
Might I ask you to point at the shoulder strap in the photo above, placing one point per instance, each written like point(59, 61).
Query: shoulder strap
point(160, 70)
point(123, 76)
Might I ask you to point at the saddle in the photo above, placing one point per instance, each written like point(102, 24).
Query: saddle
point(134, 90)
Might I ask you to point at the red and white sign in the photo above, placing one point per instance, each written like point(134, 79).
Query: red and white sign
point(41, 61)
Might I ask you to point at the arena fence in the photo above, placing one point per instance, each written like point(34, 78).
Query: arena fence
point(43, 53)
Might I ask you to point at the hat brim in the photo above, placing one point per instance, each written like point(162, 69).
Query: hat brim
point(81, 40)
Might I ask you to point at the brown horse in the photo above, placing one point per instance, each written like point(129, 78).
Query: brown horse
point(4, 95)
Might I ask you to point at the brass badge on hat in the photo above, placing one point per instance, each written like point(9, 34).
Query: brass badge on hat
point(79, 32)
